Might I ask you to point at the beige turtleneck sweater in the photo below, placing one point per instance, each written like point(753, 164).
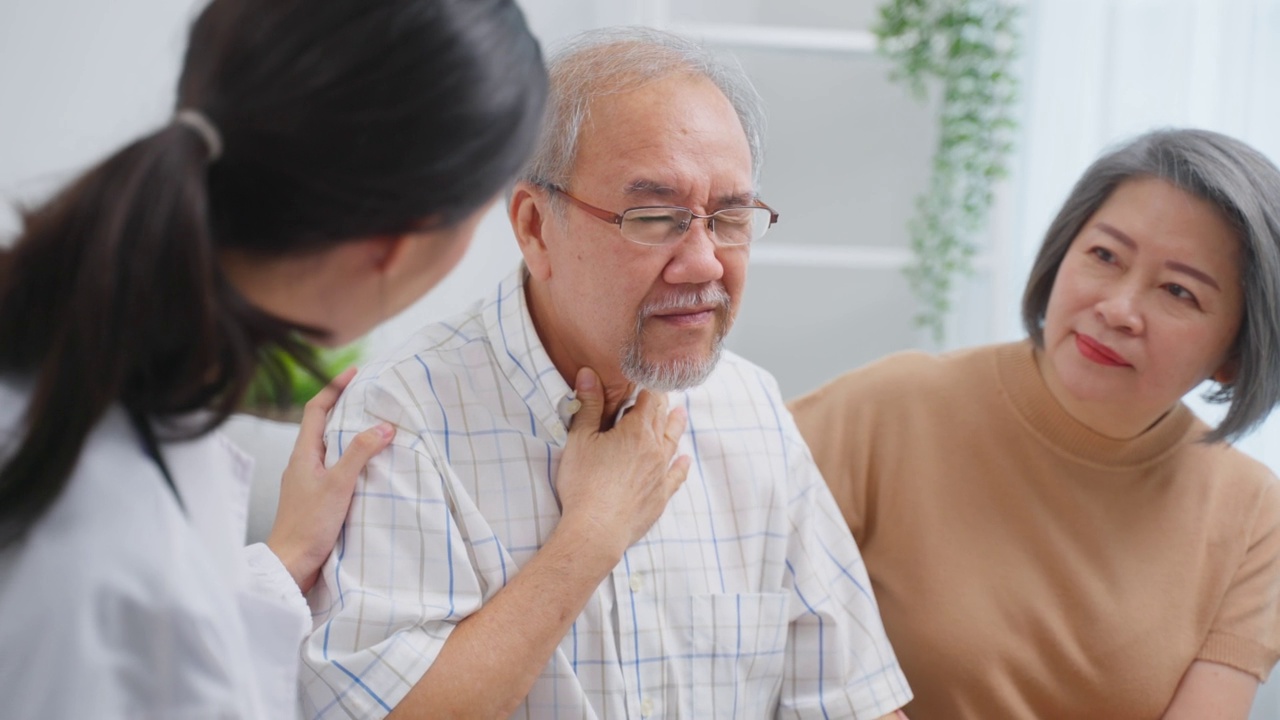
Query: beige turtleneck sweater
point(1027, 567)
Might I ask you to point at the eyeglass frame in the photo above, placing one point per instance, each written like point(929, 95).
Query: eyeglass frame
point(616, 218)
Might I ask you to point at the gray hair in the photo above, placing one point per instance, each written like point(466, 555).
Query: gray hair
point(615, 60)
point(1245, 187)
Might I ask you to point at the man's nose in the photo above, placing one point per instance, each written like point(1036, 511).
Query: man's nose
point(694, 258)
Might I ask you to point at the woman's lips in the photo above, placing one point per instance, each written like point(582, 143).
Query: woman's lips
point(1097, 352)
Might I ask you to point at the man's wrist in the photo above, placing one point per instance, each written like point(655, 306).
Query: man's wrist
point(585, 547)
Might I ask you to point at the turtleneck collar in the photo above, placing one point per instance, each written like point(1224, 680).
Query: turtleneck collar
point(1025, 389)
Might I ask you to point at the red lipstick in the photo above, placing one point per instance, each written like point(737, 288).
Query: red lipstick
point(1097, 352)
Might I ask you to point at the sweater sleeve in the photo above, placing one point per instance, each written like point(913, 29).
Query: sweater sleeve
point(1246, 631)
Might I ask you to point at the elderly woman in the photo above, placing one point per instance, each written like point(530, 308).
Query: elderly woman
point(1049, 531)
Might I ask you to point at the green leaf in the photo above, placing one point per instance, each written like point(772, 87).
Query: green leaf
point(282, 381)
point(968, 46)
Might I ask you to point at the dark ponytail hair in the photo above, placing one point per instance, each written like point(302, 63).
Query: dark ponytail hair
point(339, 120)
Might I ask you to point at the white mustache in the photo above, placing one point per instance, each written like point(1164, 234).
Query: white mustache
point(713, 294)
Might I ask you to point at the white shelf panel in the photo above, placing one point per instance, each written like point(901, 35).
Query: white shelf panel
point(782, 38)
point(838, 257)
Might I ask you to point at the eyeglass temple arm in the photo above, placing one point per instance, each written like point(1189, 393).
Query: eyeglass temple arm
point(773, 214)
point(604, 215)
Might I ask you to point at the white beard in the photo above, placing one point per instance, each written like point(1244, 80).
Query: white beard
point(683, 373)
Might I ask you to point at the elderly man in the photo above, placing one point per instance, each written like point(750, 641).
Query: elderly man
point(527, 546)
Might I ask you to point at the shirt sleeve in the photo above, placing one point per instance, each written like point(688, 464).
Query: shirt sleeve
point(401, 576)
point(839, 661)
point(826, 421)
point(1246, 631)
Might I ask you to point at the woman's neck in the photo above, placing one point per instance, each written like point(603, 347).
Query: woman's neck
point(1103, 417)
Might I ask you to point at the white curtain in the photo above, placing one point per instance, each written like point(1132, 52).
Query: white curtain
point(1101, 71)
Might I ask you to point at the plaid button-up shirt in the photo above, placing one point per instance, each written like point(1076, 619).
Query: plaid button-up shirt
point(746, 599)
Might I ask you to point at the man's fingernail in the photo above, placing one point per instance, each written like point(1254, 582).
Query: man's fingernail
point(386, 431)
point(586, 379)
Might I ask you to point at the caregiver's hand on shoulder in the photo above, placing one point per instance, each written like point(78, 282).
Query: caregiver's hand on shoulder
point(314, 499)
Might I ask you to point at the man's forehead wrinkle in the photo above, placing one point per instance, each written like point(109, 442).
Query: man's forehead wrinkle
point(644, 186)
point(737, 198)
point(654, 188)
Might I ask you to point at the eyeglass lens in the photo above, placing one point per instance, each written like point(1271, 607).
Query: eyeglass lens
point(661, 226)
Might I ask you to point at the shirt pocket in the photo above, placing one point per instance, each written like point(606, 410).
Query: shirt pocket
point(737, 646)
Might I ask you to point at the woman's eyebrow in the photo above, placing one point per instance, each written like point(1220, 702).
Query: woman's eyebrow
point(1118, 235)
point(1174, 265)
point(1197, 274)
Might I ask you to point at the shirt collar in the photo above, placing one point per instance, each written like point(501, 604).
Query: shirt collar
point(524, 361)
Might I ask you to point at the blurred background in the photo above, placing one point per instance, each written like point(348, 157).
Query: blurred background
point(848, 151)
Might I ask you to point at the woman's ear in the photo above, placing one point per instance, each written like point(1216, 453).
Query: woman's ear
point(1226, 374)
point(528, 212)
point(385, 252)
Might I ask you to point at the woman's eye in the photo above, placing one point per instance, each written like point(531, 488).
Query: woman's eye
point(1103, 254)
point(1180, 292)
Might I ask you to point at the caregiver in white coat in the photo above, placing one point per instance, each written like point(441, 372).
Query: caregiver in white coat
point(325, 166)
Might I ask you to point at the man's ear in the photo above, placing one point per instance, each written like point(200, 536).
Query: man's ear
point(1226, 374)
point(529, 212)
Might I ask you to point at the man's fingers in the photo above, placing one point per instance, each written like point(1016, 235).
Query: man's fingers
point(650, 407)
point(588, 392)
point(678, 473)
point(358, 453)
point(660, 414)
point(676, 421)
point(646, 402)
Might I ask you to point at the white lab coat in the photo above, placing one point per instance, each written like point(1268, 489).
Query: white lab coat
point(120, 604)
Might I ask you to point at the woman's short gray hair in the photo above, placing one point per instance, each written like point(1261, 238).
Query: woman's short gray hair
point(1241, 183)
point(614, 60)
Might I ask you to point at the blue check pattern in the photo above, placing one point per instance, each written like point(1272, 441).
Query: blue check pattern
point(747, 598)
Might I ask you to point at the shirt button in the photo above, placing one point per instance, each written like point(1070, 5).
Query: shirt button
point(646, 707)
point(636, 583)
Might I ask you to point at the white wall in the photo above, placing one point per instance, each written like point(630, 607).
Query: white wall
point(77, 79)
point(80, 78)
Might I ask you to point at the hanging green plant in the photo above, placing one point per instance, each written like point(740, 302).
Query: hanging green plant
point(965, 49)
point(283, 385)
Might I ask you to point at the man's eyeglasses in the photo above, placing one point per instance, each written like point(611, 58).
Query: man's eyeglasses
point(664, 225)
